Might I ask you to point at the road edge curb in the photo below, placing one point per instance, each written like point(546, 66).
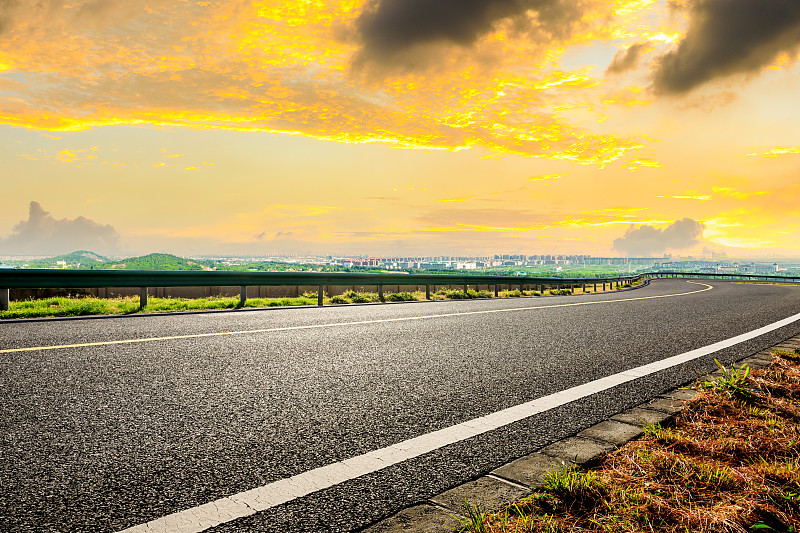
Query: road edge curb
point(512, 481)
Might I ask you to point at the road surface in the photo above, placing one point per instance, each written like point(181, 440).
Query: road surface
point(110, 423)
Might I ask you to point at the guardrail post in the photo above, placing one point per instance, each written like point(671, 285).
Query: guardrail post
point(380, 292)
point(242, 295)
point(142, 297)
point(496, 292)
point(427, 292)
point(465, 288)
point(604, 286)
point(4, 299)
point(521, 286)
point(320, 295)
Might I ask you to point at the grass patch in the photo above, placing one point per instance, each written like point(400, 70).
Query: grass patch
point(401, 297)
point(731, 463)
point(83, 306)
point(63, 306)
point(560, 292)
point(459, 294)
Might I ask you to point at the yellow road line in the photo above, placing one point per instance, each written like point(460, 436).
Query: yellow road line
point(336, 324)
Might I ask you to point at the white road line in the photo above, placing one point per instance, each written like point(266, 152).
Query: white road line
point(337, 324)
point(273, 494)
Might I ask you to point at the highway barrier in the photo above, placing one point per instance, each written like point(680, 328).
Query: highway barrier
point(84, 279)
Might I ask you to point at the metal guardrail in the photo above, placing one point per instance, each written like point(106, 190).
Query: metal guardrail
point(723, 276)
point(80, 279)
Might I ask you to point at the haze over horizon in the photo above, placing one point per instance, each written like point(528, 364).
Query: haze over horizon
point(400, 127)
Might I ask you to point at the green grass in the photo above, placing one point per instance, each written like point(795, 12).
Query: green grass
point(62, 306)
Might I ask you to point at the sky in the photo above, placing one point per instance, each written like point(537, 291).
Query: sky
point(400, 127)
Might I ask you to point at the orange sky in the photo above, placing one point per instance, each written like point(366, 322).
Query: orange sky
point(398, 127)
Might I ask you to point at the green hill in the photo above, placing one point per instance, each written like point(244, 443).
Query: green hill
point(157, 262)
point(82, 259)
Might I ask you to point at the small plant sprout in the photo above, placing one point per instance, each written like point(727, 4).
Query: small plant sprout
point(732, 382)
point(474, 519)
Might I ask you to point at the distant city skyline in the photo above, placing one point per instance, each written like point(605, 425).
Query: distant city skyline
point(389, 127)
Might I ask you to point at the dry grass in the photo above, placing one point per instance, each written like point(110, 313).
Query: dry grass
point(731, 463)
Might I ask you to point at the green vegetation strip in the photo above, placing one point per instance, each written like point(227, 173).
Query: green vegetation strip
point(84, 306)
point(731, 463)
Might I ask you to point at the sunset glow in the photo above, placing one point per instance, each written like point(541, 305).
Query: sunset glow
point(390, 127)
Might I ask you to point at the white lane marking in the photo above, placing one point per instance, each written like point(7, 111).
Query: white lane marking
point(246, 503)
point(338, 324)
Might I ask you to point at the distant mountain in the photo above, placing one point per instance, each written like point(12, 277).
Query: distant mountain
point(85, 260)
point(159, 262)
point(80, 259)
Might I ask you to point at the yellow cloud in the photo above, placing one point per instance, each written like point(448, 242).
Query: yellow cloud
point(636, 164)
point(546, 177)
point(776, 152)
point(701, 197)
point(733, 193)
point(283, 67)
point(461, 199)
point(69, 156)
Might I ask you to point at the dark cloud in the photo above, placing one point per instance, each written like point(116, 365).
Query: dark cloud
point(628, 59)
point(391, 27)
point(646, 240)
point(42, 234)
point(6, 8)
point(729, 37)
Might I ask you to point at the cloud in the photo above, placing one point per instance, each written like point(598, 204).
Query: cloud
point(6, 7)
point(728, 37)
point(42, 234)
point(627, 59)
point(391, 27)
point(647, 240)
point(289, 71)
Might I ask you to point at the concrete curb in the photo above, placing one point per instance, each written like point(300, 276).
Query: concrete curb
point(510, 482)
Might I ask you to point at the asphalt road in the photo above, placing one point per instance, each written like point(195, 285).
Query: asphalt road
point(108, 436)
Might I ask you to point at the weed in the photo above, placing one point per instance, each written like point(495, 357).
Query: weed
point(400, 297)
point(456, 294)
point(474, 519)
point(670, 437)
point(362, 297)
point(733, 382)
point(791, 355)
point(339, 299)
point(757, 412)
point(560, 292)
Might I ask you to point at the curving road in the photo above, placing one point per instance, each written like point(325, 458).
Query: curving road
point(110, 423)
